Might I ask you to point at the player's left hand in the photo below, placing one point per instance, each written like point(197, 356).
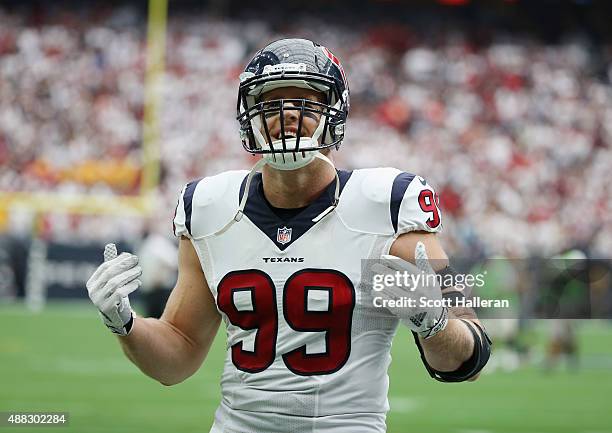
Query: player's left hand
point(425, 318)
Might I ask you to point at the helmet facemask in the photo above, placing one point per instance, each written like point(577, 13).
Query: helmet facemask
point(283, 152)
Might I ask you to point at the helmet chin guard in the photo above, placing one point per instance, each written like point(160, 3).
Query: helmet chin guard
point(291, 161)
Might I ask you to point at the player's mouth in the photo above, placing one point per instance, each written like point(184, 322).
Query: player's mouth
point(289, 133)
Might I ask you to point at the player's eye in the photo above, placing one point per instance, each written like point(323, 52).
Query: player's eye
point(310, 104)
point(311, 115)
point(311, 110)
point(271, 108)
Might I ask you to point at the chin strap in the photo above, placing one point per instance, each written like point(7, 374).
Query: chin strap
point(336, 193)
point(247, 188)
point(259, 164)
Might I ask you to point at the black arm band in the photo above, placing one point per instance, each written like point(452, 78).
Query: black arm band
point(471, 367)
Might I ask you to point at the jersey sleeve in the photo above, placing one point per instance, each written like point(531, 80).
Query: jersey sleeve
point(414, 205)
point(182, 215)
point(206, 205)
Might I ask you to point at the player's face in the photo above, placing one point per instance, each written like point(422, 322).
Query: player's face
point(310, 120)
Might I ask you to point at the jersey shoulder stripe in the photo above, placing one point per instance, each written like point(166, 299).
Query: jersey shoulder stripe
point(188, 202)
point(400, 185)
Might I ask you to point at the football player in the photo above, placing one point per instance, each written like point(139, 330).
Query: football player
point(280, 255)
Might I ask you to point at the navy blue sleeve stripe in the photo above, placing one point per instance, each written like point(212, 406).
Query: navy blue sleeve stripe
point(173, 218)
point(400, 185)
point(187, 202)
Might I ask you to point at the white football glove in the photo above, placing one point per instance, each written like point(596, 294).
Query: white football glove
point(109, 287)
point(428, 320)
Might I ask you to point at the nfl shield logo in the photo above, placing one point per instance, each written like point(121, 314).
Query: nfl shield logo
point(283, 236)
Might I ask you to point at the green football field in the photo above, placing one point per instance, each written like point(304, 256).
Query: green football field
point(65, 360)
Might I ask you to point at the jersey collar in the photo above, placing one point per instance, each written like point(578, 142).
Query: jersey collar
point(283, 232)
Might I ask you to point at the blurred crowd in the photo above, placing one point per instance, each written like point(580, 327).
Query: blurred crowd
point(515, 134)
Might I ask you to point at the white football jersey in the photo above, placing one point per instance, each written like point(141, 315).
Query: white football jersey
point(306, 349)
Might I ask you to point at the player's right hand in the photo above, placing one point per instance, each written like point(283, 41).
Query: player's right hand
point(109, 287)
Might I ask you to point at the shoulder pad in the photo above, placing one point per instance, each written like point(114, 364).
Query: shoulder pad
point(387, 201)
point(365, 201)
point(206, 205)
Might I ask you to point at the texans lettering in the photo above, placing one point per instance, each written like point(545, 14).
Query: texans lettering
point(283, 259)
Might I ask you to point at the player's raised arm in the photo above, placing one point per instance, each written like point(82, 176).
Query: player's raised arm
point(169, 349)
point(458, 348)
point(452, 350)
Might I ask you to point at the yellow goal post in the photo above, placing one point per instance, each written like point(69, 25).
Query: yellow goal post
point(45, 202)
point(143, 203)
